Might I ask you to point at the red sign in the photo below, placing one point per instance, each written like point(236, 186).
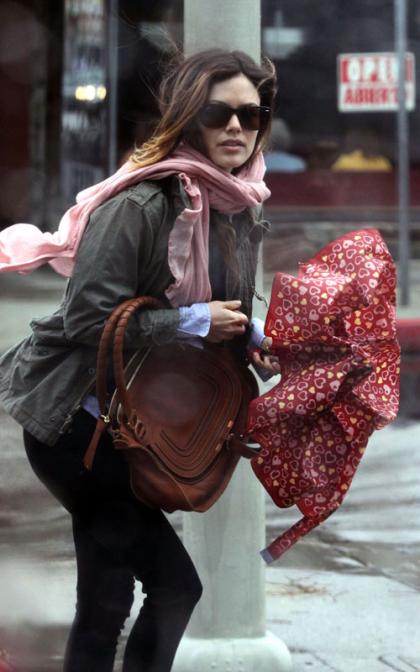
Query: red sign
point(369, 82)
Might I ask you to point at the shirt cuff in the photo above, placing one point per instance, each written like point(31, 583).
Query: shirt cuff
point(257, 333)
point(194, 320)
point(91, 405)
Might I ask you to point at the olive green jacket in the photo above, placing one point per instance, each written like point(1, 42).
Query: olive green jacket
point(123, 253)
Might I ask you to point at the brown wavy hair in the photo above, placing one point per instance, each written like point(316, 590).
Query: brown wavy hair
point(186, 88)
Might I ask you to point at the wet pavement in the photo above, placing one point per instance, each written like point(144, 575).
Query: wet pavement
point(346, 598)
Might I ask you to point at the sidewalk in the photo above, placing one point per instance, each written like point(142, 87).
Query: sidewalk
point(346, 598)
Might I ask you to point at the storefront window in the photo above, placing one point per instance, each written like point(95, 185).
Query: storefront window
point(332, 170)
point(148, 36)
point(84, 92)
point(113, 59)
point(305, 40)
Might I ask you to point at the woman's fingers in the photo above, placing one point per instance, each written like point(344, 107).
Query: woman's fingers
point(267, 362)
point(226, 320)
point(266, 344)
point(231, 305)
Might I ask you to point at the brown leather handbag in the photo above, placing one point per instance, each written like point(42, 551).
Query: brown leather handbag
point(178, 413)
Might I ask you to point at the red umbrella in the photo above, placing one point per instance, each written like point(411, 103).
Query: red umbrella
point(333, 329)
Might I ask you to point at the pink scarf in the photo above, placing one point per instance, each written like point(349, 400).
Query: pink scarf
point(23, 247)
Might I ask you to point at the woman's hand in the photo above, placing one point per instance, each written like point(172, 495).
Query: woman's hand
point(226, 321)
point(264, 359)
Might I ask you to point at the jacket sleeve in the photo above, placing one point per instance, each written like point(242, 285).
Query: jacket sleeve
point(110, 268)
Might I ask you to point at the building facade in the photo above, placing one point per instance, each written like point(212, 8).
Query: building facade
point(78, 86)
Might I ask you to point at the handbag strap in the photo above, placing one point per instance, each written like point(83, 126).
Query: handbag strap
point(113, 330)
point(125, 315)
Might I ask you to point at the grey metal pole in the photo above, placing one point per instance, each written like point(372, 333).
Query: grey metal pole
point(228, 630)
point(112, 92)
point(235, 24)
point(403, 176)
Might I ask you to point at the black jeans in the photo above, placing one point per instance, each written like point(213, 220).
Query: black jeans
point(117, 540)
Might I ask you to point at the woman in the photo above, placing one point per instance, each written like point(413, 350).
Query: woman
point(179, 222)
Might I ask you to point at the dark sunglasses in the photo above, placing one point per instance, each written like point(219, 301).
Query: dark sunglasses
point(217, 115)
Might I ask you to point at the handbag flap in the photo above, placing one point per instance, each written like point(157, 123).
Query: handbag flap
point(187, 400)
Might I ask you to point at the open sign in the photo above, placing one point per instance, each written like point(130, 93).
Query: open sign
point(369, 82)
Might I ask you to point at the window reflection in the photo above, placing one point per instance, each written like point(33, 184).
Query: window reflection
point(310, 134)
point(362, 151)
